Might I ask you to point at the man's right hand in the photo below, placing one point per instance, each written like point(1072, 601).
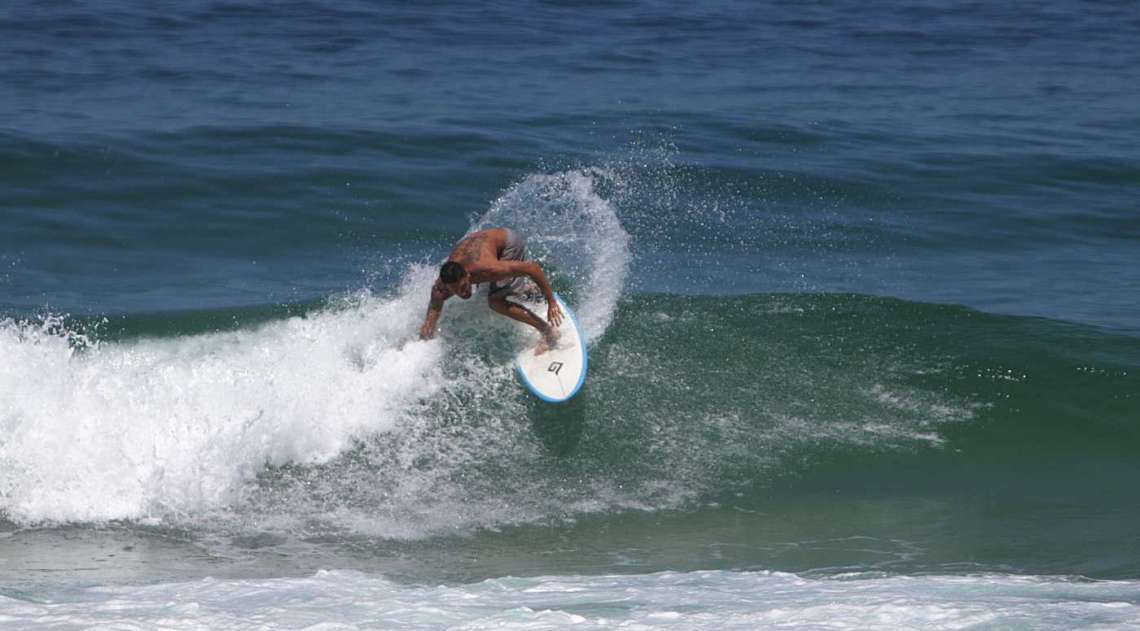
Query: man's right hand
point(435, 306)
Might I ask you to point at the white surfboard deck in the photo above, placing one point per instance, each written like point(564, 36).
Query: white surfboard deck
point(556, 375)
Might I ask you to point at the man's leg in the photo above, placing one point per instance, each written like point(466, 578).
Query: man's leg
point(515, 311)
point(499, 304)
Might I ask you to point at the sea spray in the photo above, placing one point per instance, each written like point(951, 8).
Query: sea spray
point(157, 427)
point(569, 225)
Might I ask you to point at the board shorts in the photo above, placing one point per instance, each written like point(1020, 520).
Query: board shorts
point(513, 250)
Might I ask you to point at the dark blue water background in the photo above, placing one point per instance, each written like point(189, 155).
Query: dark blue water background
point(178, 155)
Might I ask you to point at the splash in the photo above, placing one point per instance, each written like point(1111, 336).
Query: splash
point(572, 228)
point(170, 426)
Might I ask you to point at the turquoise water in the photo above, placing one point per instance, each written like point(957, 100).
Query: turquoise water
point(860, 284)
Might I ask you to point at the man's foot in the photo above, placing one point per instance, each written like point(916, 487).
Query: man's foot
point(549, 340)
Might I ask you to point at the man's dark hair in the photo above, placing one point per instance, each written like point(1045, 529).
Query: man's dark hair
point(452, 272)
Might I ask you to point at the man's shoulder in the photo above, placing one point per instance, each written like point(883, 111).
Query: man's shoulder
point(476, 241)
point(494, 235)
point(485, 232)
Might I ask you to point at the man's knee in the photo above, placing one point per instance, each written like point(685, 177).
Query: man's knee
point(498, 303)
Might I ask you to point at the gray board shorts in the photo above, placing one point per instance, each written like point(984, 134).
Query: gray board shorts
point(513, 250)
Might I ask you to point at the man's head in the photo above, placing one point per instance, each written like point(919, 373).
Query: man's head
point(454, 277)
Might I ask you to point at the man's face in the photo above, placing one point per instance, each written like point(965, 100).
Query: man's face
point(461, 287)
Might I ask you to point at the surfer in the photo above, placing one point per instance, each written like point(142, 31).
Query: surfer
point(494, 256)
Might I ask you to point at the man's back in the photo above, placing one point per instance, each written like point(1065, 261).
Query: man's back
point(479, 248)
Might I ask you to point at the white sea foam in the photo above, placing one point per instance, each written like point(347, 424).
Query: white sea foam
point(694, 600)
point(160, 426)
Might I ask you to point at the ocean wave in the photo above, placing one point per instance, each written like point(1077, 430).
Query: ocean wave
point(325, 417)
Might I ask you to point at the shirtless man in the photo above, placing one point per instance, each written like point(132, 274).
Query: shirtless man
point(493, 256)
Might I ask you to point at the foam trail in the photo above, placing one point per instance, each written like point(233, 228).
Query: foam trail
point(669, 600)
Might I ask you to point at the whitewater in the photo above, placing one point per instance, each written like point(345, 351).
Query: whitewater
point(668, 600)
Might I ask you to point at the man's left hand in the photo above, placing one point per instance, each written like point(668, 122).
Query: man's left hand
point(554, 315)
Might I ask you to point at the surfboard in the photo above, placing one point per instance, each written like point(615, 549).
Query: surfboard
point(556, 375)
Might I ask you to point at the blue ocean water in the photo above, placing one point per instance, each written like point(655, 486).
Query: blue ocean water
point(861, 283)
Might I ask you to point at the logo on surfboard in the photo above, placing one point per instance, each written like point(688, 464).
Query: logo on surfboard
point(554, 367)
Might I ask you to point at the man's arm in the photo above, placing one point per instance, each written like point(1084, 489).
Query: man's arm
point(435, 307)
point(532, 269)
